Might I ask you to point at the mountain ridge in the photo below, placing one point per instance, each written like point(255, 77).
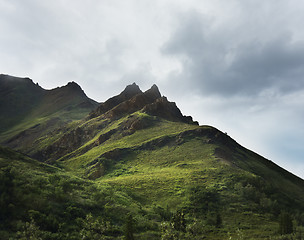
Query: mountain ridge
point(126, 94)
point(26, 106)
point(141, 156)
point(129, 101)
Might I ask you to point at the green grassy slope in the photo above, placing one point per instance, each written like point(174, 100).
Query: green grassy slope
point(39, 201)
point(168, 172)
point(174, 165)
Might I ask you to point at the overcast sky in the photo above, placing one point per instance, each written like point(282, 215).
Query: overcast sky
point(237, 65)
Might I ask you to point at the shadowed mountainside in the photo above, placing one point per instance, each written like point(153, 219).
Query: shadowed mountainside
point(29, 111)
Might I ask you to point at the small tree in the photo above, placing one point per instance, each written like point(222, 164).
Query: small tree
point(94, 228)
point(30, 231)
point(129, 228)
point(178, 221)
point(6, 194)
point(218, 222)
point(285, 223)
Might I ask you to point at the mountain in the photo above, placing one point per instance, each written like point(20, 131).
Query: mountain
point(28, 110)
point(135, 165)
point(18, 96)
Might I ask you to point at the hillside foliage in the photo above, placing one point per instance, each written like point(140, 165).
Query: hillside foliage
point(136, 168)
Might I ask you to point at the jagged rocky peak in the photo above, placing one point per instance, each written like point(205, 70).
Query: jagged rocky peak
point(136, 103)
point(71, 89)
point(132, 99)
point(73, 86)
point(131, 90)
point(153, 92)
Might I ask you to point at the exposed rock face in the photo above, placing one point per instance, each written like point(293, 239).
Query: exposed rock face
point(134, 104)
point(167, 110)
point(153, 93)
point(70, 141)
point(129, 92)
point(96, 171)
point(135, 123)
point(150, 102)
point(104, 137)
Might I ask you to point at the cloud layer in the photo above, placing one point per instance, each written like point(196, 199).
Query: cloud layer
point(217, 60)
point(237, 65)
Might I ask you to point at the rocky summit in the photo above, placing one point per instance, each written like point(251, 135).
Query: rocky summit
point(132, 167)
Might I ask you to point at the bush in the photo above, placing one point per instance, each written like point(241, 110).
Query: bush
point(203, 200)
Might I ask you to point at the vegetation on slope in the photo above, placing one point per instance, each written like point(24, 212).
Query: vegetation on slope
point(38, 200)
point(136, 168)
point(220, 187)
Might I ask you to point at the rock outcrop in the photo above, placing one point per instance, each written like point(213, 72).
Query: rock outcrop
point(129, 92)
point(132, 99)
point(167, 110)
point(134, 104)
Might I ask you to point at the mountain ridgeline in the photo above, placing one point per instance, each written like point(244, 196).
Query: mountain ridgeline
point(132, 167)
point(28, 111)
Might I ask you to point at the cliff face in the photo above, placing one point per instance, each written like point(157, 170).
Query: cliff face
point(129, 92)
point(161, 107)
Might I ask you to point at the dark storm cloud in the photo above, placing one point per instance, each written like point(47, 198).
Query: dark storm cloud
point(217, 61)
point(277, 64)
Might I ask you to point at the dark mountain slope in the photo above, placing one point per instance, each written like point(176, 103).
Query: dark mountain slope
point(29, 111)
point(18, 97)
point(68, 98)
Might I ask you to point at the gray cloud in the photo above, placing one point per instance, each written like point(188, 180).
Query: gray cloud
point(277, 64)
point(218, 62)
